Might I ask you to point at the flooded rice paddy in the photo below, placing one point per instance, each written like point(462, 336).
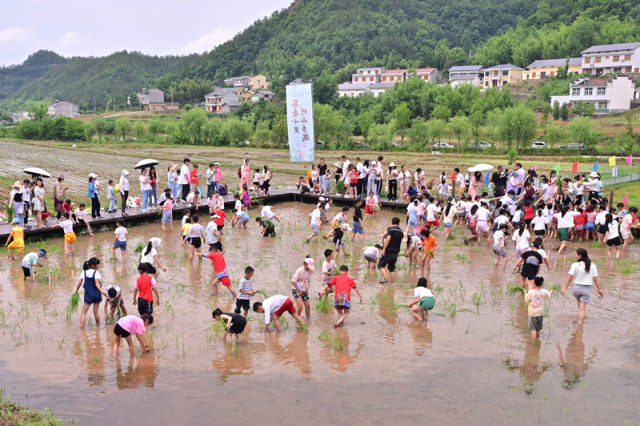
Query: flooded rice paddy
point(472, 362)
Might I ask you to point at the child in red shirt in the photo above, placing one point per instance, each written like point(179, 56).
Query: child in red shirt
point(580, 223)
point(220, 268)
point(220, 220)
point(145, 285)
point(342, 287)
point(195, 181)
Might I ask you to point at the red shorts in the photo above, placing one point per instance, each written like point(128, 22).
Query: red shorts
point(225, 281)
point(287, 306)
point(433, 223)
point(368, 209)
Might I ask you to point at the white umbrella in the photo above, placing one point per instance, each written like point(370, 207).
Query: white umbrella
point(147, 162)
point(482, 167)
point(37, 171)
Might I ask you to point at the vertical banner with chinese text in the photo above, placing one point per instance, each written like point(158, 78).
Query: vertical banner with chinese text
point(300, 122)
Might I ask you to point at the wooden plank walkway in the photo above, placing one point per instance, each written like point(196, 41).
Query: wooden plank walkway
point(136, 216)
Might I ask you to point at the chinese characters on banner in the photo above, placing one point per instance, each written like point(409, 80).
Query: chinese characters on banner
point(300, 122)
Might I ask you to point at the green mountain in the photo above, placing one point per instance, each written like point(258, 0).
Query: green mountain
point(37, 64)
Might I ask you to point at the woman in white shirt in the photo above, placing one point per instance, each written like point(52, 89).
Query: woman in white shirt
point(521, 237)
point(583, 274)
point(404, 177)
point(565, 224)
point(124, 190)
point(612, 237)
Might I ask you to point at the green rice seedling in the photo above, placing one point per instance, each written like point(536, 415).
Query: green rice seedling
point(337, 344)
point(284, 322)
point(555, 287)
point(262, 292)
point(438, 289)
point(322, 305)
point(626, 267)
point(514, 289)
point(139, 248)
point(61, 342)
point(324, 336)
point(219, 328)
point(596, 244)
point(452, 310)
point(169, 307)
point(476, 299)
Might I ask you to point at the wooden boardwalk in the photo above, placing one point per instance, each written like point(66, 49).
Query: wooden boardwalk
point(136, 216)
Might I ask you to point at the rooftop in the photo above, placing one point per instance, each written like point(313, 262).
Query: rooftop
point(382, 85)
point(425, 70)
point(353, 86)
point(593, 82)
point(611, 47)
point(396, 71)
point(463, 77)
point(504, 66)
point(459, 68)
point(554, 62)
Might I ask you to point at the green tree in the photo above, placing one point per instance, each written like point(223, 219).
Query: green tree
point(564, 112)
point(461, 127)
point(402, 116)
point(38, 111)
point(99, 125)
point(441, 112)
point(263, 134)
point(556, 111)
point(419, 133)
point(123, 127)
point(437, 128)
point(154, 128)
point(235, 131)
point(89, 131)
point(327, 123)
point(554, 134)
point(280, 131)
point(581, 131)
point(190, 127)
point(519, 125)
point(381, 135)
point(211, 132)
point(139, 130)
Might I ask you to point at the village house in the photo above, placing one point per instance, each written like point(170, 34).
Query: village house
point(64, 108)
point(501, 75)
point(376, 80)
point(243, 81)
point(153, 100)
point(20, 116)
point(621, 58)
point(222, 100)
point(263, 94)
point(606, 94)
point(465, 74)
point(544, 68)
point(258, 82)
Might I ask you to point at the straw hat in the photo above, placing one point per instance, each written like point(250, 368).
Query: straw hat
point(173, 167)
point(17, 184)
point(594, 174)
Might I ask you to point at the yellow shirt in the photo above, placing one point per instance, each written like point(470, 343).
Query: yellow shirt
point(185, 228)
point(18, 234)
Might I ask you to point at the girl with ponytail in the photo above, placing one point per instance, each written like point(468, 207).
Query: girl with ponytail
point(93, 291)
point(583, 275)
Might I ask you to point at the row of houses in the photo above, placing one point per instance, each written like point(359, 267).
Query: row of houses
point(376, 80)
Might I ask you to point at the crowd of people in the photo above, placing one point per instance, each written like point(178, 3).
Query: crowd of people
point(525, 208)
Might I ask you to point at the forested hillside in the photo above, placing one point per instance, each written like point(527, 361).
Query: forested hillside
point(37, 64)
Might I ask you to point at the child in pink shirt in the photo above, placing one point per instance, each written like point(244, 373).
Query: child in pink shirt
point(128, 325)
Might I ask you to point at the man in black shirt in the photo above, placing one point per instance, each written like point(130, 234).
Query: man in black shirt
point(322, 171)
point(392, 243)
point(357, 221)
point(499, 180)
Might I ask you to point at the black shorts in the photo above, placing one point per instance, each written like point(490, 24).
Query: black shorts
point(217, 244)
point(389, 260)
point(528, 221)
point(270, 232)
point(539, 232)
point(120, 332)
point(602, 229)
point(353, 184)
point(238, 325)
point(195, 241)
point(242, 304)
point(220, 227)
point(614, 242)
point(26, 272)
point(145, 306)
point(529, 276)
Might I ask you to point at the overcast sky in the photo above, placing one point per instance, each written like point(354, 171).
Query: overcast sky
point(98, 27)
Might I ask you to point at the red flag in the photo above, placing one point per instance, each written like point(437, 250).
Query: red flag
point(625, 199)
point(574, 168)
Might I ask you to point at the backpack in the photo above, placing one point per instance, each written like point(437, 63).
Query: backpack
point(537, 299)
point(240, 172)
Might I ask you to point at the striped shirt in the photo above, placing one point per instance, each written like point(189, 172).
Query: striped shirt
point(246, 285)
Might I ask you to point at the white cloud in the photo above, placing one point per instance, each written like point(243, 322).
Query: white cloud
point(208, 41)
point(72, 38)
point(15, 38)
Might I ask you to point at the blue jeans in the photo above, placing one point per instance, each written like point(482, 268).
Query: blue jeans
point(20, 216)
point(153, 197)
point(112, 204)
point(146, 194)
point(322, 183)
point(212, 188)
point(173, 186)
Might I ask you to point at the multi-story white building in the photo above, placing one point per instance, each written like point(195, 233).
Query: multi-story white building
point(65, 108)
point(466, 74)
point(376, 80)
point(606, 94)
point(623, 58)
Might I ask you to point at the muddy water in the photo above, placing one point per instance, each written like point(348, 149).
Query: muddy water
point(472, 361)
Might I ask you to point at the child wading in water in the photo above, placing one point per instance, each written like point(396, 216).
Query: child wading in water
point(220, 268)
point(234, 323)
point(145, 285)
point(424, 301)
point(17, 235)
point(69, 235)
point(120, 240)
point(535, 301)
point(342, 285)
point(114, 300)
point(92, 289)
point(245, 291)
point(126, 326)
point(268, 228)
